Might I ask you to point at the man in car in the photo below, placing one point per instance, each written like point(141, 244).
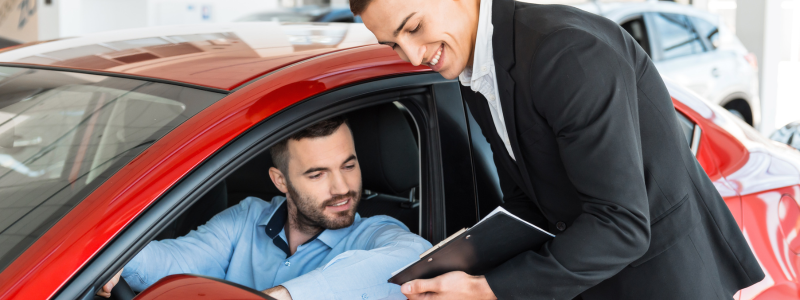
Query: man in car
point(310, 244)
point(587, 145)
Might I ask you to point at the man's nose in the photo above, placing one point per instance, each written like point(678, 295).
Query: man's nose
point(339, 184)
point(415, 53)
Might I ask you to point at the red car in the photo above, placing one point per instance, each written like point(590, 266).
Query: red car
point(112, 140)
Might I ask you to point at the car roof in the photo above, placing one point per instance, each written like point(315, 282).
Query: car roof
point(219, 56)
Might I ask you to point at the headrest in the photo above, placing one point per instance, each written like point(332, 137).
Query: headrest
point(386, 149)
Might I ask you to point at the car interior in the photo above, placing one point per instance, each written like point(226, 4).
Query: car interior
point(386, 144)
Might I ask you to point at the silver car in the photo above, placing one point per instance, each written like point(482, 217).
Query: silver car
point(694, 49)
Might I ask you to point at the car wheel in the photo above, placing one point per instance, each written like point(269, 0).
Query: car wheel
point(741, 109)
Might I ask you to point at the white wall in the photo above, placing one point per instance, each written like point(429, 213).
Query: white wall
point(787, 96)
point(65, 18)
point(105, 15)
point(48, 20)
point(170, 12)
point(70, 20)
point(771, 30)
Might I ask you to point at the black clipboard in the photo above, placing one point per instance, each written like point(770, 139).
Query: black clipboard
point(497, 238)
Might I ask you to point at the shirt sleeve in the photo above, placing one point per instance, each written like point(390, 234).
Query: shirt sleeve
point(205, 251)
point(384, 246)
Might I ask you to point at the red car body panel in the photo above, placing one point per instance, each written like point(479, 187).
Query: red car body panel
point(758, 180)
point(53, 259)
point(182, 286)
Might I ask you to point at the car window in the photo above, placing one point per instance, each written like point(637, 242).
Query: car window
point(707, 30)
point(62, 134)
point(691, 131)
point(636, 28)
point(676, 36)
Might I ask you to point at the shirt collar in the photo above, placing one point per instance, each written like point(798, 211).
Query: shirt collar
point(274, 222)
point(482, 61)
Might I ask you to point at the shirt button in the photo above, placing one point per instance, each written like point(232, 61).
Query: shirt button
point(287, 263)
point(364, 296)
point(484, 69)
point(561, 226)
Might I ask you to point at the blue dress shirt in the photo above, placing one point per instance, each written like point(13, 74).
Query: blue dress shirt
point(246, 244)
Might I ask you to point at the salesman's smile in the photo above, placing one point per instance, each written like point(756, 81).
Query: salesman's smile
point(434, 36)
point(437, 62)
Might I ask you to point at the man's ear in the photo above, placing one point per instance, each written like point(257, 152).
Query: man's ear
point(278, 179)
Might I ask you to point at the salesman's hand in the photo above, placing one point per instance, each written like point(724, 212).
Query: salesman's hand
point(278, 292)
point(454, 285)
point(105, 291)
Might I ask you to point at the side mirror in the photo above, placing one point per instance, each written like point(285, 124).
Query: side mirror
point(188, 286)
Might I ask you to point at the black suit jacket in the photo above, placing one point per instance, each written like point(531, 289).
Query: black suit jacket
point(602, 162)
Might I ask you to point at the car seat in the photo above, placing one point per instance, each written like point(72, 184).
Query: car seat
point(389, 158)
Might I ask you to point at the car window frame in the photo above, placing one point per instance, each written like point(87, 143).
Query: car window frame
point(708, 44)
point(461, 207)
point(697, 132)
point(255, 141)
point(652, 30)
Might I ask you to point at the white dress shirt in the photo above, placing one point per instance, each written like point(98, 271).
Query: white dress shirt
point(481, 77)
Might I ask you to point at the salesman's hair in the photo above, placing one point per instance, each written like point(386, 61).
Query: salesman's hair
point(280, 151)
point(358, 6)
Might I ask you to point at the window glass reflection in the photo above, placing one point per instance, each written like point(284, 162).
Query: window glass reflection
point(62, 134)
point(676, 36)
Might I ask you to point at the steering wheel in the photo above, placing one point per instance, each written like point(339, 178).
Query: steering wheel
point(122, 291)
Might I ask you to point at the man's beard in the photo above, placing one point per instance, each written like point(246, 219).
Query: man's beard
point(310, 217)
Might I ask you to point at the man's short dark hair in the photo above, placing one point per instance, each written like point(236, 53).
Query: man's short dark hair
point(280, 151)
point(358, 6)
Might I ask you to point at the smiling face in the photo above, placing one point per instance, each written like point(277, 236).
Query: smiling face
point(437, 33)
point(322, 181)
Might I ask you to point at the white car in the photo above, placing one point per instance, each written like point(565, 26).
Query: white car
point(693, 48)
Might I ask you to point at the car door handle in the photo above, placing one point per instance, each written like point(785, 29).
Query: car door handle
point(715, 72)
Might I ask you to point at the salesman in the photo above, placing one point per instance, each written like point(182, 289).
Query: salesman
point(587, 144)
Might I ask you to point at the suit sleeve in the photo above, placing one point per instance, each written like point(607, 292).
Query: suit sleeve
point(587, 93)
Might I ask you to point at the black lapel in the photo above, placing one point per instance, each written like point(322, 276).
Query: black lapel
point(504, 59)
point(503, 34)
point(503, 45)
point(479, 107)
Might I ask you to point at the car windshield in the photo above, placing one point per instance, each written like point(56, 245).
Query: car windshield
point(62, 134)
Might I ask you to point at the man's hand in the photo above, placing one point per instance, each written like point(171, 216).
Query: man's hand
point(105, 291)
point(454, 285)
point(279, 292)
